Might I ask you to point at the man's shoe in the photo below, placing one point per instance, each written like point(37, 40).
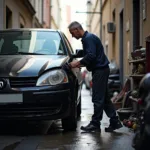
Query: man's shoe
point(113, 126)
point(90, 128)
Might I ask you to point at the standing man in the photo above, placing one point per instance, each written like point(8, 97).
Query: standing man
point(96, 61)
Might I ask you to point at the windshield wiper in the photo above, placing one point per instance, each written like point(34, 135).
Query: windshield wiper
point(24, 53)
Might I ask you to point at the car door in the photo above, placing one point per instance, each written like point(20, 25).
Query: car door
point(77, 71)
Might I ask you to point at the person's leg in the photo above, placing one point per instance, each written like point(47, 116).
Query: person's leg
point(99, 79)
point(109, 107)
point(98, 98)
point(111, 113)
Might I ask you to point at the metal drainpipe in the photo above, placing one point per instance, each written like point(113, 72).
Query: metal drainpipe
point(101, 20)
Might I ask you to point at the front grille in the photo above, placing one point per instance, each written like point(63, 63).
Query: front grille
point(22, 82)
point(28, 111)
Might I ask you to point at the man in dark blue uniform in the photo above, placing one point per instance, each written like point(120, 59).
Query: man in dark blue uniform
point(95, 61)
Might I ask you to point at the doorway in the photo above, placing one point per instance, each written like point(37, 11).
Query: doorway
point(136, 24)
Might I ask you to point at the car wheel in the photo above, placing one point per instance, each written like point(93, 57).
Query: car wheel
point(79, 108)
point(70, 123)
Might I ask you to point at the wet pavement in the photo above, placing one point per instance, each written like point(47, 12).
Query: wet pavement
point(50, 136)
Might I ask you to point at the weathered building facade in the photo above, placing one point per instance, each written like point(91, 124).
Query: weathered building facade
point(24, 14)
point(55, 14)
point(124, 27)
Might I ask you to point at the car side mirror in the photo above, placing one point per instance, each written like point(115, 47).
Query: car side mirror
point(79, 53)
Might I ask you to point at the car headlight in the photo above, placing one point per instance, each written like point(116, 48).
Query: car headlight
point(53, 77)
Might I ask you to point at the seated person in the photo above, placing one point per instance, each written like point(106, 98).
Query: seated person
point(9, 48)
point(49, 47)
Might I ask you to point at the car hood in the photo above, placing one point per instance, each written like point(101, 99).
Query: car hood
point(28, 65)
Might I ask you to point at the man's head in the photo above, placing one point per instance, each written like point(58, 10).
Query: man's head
point(76, 30)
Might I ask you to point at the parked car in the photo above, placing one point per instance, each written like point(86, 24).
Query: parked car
point(114, 69)
point(35, 81)
point(83, 72)
point(114, 84)
point(88, 80)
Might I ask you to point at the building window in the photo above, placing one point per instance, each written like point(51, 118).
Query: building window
point(8, 18)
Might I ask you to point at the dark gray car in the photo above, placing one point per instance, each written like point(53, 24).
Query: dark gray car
point(35, 81)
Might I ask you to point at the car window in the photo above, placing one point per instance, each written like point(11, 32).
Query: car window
point(68, 45)
point(40, 42)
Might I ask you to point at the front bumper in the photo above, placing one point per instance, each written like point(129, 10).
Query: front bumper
point(45, 104)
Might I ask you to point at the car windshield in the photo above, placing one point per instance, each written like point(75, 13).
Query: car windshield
point(30, 43)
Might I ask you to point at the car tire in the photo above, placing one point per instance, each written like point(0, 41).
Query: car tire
point(79, 108)
point(70, 123)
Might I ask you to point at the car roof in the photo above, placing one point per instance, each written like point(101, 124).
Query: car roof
point(31, 29)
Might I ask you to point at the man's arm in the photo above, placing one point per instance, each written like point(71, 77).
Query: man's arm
point(90, 49)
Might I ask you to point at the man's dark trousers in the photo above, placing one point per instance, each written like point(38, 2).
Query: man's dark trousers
point(100, 97)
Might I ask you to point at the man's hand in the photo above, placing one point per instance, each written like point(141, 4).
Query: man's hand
point(75, 64)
